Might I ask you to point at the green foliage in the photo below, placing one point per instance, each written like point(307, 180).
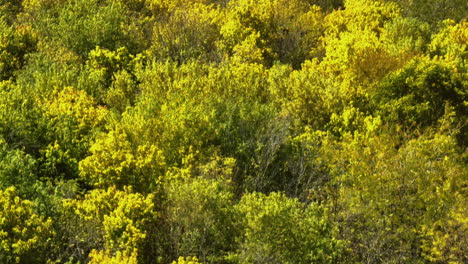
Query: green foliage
point(14, 44)
point(200, 213)
point(395, 194)
point(417, 93)
point(189, 33)
point(303, 94)
point(10, 8)
point(278, 229)
point(80, 26)
point(19, 117)
point(306, 173)
point(205, 109)
point(17, 169)
point(406, 36)
point(276, 30)
point(434, 11)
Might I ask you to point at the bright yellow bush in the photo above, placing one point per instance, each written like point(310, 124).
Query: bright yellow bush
point(72, 103)
point(120, 215)
point(24, 235)
point(105, 257)
point(187, 260)
point(115, 161)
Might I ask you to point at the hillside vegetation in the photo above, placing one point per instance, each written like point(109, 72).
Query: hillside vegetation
point(233, 131)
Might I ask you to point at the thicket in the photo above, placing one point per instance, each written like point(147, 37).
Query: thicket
point(233, 131)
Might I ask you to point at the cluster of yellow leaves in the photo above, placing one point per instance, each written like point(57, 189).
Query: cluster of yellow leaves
point(107, 60)
point(446, 241)
point(72, 116)
point(122, 214)
point(352, 41)
point(451, 41)
point(114, 160)
point(362, 15)
point(186, 260)
point(24, 235)
point(33, 5)
point(77, 104)
point(105, 257)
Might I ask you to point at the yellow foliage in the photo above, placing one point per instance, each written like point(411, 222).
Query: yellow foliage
point(137, 97)
point(446, 241)
point(70, 102)
point(359, 15)
point(412, 193)
point(451, 41)
point(24, 235)
point(186, 260)
point(105, 257)
point(34, 5)
point(358, 52)
point(122, 214)
point(115, 161)
point(247, 51)
point(353, 44)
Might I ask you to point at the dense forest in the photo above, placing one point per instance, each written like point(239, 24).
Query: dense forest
point(233, 131)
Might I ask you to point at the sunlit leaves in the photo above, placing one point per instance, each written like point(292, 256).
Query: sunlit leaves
point(72, 103)
point(72, 117)
point(105, 257)
point(451, 41)
point(24, 235)
point(114, 161)
point(187, 260)
point(110, 220)
point(217, 131)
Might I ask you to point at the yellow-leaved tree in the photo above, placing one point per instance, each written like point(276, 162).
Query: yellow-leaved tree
point(108, 224)
point(24, 234)
point(116, 161)
point(72, 117)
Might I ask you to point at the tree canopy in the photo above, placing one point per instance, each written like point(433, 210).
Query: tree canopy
point(233, 131)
